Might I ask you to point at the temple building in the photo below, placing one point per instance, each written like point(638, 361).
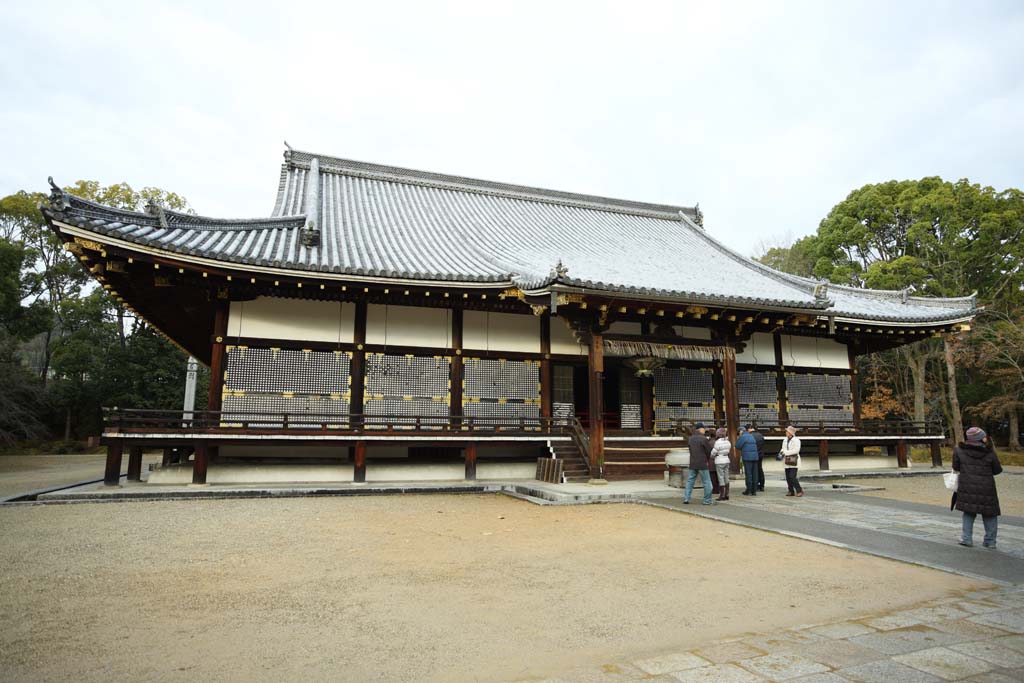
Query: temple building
point(386, 323)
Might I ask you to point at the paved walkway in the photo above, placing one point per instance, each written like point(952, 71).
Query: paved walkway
point(915, 533)
point(976, 637)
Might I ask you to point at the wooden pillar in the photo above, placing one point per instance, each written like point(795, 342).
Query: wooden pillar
point(199, 465)
point(359, 463)
point(595, 375)
point(168, 457)
point(470, 451)
point(780, 379)
point(135, 463)
point(823, 455)
point(716, 389)
point(936, 454)
point(357, 368)
point(901, 453)
point(220, 333)
point(112, 473)
point(647, 403)
point(854, 384)
point(546, 378)
point(732, 405)
point(458, 370)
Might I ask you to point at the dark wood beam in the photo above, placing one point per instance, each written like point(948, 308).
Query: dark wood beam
point(545, 365)
point(135, 463)
point(854, 382)
point(457, 365)
point(357, 368)
point(595, 375)
point(780, 379)
point(220, 333)
point(200, 464)
point(732, 407)
point(112, 472)
point(470, 451)
point(359, 463)
point(823, 455)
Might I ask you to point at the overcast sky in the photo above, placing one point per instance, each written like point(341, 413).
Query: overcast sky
point(766, 113)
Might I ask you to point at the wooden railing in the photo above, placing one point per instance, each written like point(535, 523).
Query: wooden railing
point(133, 419)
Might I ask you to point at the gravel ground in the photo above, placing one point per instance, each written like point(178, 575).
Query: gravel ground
point(402, 588)
point(24, 473)
point(930, 490)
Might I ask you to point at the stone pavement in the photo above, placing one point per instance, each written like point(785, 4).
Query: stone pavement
point(977, 637)
point(915, 533)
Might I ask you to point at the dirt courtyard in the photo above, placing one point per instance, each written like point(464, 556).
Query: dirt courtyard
point(402, 588)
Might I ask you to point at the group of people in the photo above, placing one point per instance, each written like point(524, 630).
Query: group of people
point(711, 451)
point(975, 460)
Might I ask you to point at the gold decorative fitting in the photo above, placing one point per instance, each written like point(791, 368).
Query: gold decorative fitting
point(622, 309)
point(660, 312)
point(252, 280)
point(89, 244)
point(299, 285)
point(321, 286)
point(162, 281)
point(222, 292)
point(205, 274)
point(680, 314)
point(641, 311)
point(156, 266)
point(538, 309)
point(564, 299)
point(181, 271)
point(73, 248)
point(514, 293)
point(219, 340)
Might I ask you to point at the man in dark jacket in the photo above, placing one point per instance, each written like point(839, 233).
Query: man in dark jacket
point(700, 456)
point(759, 441)
point(747, 446)
point(977, 464)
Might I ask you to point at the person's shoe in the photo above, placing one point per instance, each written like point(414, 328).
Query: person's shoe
point(753, 494)
point(746, 493)
point(790, 494)
point(686, 502)
point(990, 545)
point(800, 495)
point(708, 502)
point(966, 544)
point(760, 488)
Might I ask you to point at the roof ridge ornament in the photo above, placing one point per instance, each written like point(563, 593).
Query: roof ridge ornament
point(698, 215)
point(821, 291)
point(59, 199)
point(154, 209)
point(560, 271)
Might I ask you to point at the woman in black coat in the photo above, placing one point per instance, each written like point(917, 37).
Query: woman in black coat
point(977, 464)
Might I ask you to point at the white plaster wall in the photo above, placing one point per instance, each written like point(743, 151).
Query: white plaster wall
point(623, 327)
point(694, 332)
point(833, 354)
point(292, 319)
point(803, 350)
point(408, 326)
point(760, 350)
point(501, 332)
point(562, 339)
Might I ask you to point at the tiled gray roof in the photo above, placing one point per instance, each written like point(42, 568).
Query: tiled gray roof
point(388, 222)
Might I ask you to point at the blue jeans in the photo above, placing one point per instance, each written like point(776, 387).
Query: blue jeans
point(750, 472)
point(991, 527)
point(705, 478)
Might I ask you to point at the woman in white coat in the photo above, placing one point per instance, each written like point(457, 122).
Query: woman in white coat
point(790, 455)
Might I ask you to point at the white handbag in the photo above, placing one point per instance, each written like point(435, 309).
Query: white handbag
point(951, 479)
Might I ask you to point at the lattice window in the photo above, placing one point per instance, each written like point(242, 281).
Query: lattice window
point(400, 389)
point(563, 397)
point(630, 411)
point(684, 393)
point(309, 386)
point(758, 396)
point(814, 398)
point(501, 391)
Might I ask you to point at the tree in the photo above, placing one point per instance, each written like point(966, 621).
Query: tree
point(936, 237)
point(87, 352)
